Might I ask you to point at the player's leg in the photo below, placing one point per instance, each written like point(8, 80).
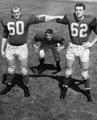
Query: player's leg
point(42, 51)
point(11, 69)
point(85, 72)
point(56, 55)
point(67, 77)
point(41, 60)
point(23, 58)
point(41, 57)
point(85, 75)
point(70, 59)
point(10, 75)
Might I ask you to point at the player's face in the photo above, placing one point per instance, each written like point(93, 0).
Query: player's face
point(16, 13)
point(49, 36)
point(79, 11)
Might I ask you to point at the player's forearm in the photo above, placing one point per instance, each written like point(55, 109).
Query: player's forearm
point(94, 41)
point(64, 43)
point(34, 45)
point(49, 17)
point(3, 43)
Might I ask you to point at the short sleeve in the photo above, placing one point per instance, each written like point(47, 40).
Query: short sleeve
point(34, 19)
point(62, 21)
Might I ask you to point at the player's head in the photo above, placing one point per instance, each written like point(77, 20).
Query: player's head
point(79, 9)
point(49, 34)
point(16, 11)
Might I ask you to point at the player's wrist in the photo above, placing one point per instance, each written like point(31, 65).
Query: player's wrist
point(35, 45)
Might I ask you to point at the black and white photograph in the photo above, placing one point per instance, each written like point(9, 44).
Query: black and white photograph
point(48, 59)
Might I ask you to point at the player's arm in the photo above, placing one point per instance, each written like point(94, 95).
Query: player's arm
point(90, 44)
point(49, 17)
point(59, 47)
point(35, 19)
point(42, 18)
point(93, 26)
point(62, 20)
point(94, 41)
point(4, 41)
point(61, 44)
point(36, 44)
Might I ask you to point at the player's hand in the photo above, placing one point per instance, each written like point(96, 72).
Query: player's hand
point(42, 15)
point(59, 47)
point(36, 48)
point(87, 45)
point(3, 54)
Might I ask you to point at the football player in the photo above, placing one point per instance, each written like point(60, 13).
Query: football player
point(80, 26)
point(49, 40)
point(14, 43)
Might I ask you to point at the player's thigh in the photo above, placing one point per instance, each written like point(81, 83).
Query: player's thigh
point(10, 58)
point(69, 67)
point(84, 59)
point(11, 65)
point(10, 51)
point(84, 65)
point(23, 52)
point(24, 63)
point(69, 62)
point(24, 66)
point(70, 56)
point(23, 58)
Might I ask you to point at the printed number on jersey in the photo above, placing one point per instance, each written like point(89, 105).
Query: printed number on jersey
point(16, 28)
point(79, 30)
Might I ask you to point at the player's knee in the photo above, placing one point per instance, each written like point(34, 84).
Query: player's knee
point(41, 53)
point(85, 74)
point(11, 70)
point(68, 72)
point(24, 71)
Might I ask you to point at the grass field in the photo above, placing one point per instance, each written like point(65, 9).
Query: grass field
point(44, 102)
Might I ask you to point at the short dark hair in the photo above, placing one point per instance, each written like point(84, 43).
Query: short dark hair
point(50, 31)
point(79, 4)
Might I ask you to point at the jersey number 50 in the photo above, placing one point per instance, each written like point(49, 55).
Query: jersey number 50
point(79, 30)
point(16, 28)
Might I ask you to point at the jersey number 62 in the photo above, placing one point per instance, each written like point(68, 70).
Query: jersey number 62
point(79, 30)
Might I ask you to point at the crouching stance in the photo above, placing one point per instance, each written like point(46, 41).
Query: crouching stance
point(49, 40)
